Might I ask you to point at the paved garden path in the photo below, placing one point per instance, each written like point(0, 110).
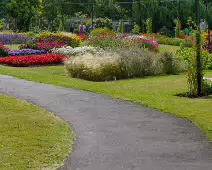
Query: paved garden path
point(117, 135)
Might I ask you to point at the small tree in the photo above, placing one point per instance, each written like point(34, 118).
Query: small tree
point(120, 27)
point(177, 27)
point(136, 29)
point(149, 26)
point(1, 24)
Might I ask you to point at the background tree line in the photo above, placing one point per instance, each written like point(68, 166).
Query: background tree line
point(26, 14)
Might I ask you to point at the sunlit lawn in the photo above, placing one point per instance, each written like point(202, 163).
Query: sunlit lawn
point(13, 46)
point(31, 138)
point(168, 48)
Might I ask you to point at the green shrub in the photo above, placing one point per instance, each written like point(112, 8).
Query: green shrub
point(120, 64)
point(70, 40)
point(149, 26)
point(168, 63)
point(187, 43)
point(136, 29)
point(111, 41)
point(94, 67)
point(120, 28)
point(1, 24)
point(3, 50)
point(99, 31)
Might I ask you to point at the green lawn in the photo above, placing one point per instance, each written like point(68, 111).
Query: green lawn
point(155, 92)
point(13, 46)
point(168, 48)
point(31, 138)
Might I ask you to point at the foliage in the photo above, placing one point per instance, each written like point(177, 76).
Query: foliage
point(47, 46)
point(175, 41)
point(169, 63)
point(99, 31)
point(191, 24)
point(48, 40)
point(111, 41)
point(120, 64)
point(120, 27)
point(165, 31)
point(25, 61)
point(103, 23)
point(136, 29)
point(189, 56)
point(207, 86)
point(72, 40)
point(149, 26)
point(1, 24)
point(3, 50)
point(177, 27)
point(22, 12)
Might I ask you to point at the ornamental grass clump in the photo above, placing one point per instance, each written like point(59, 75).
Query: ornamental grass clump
point(94, 67)
point(119, 64)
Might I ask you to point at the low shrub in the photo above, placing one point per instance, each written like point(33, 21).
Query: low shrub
point(99, 31)
point(188, 55)
point(3, 50)
point(25, 61)
point(207, 86)
point(48, 41)
point(111, 41)
point(120, 64)
point(71, 40)
point(48, 45)
point(175, 41)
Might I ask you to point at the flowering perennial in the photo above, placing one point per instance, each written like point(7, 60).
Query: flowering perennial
point(14, 38)
point(69, 51)
point(25, 52)
point(25, 61)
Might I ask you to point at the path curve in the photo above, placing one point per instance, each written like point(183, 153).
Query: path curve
point(117, 135)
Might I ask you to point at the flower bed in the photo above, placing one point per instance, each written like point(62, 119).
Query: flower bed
point(25, 52)
point(69, 51)
point(14, 38)
point(112, 41)
point(25, 61)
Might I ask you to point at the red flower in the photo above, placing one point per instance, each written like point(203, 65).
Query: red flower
point(24, 61)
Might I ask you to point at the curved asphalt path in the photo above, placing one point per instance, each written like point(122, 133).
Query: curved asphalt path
point(117, 135)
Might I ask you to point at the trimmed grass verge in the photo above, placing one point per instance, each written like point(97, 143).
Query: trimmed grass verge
point(155, 92)
point(13, 46)
point(168, 48)
point(31, 138)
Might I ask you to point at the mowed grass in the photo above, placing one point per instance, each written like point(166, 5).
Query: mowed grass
point(31, 138)
point(168, 48)
point(155, 92)
point(13, 46)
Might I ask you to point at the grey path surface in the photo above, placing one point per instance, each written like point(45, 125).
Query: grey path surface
point(117, 135)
